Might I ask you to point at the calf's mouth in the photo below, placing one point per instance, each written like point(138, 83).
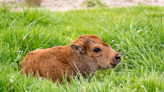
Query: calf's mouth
point(116, 60)
point(113, 64)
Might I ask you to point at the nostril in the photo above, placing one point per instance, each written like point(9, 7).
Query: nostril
point(117, 57)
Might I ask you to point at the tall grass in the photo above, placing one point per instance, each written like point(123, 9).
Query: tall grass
point(137, 33)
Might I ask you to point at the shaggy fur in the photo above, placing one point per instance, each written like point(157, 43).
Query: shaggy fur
point(88, 53)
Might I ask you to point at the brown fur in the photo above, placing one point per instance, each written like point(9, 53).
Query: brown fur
point(54, 61)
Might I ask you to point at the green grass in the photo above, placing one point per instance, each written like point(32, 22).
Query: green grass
point(94, 3)
point(137, 33)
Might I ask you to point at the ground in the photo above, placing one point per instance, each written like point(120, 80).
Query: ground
point(63, 5)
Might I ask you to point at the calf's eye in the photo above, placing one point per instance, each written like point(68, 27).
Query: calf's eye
point(97, 50)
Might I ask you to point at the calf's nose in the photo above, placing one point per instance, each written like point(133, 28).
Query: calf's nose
point(117, 58)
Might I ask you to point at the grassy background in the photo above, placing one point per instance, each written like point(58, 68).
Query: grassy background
point(137, 33)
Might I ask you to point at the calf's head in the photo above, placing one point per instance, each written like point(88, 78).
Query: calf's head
point(94, 53)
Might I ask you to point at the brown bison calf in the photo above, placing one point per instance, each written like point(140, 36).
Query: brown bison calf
point(88, 53)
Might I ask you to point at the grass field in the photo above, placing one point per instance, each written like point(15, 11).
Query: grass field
point(137, 33)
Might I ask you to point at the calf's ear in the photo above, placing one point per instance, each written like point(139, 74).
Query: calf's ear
point(77, 49)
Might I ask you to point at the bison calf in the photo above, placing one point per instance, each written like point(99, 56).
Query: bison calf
point(88, 53)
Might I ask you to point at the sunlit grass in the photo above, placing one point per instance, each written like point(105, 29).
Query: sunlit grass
point(137, 33)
